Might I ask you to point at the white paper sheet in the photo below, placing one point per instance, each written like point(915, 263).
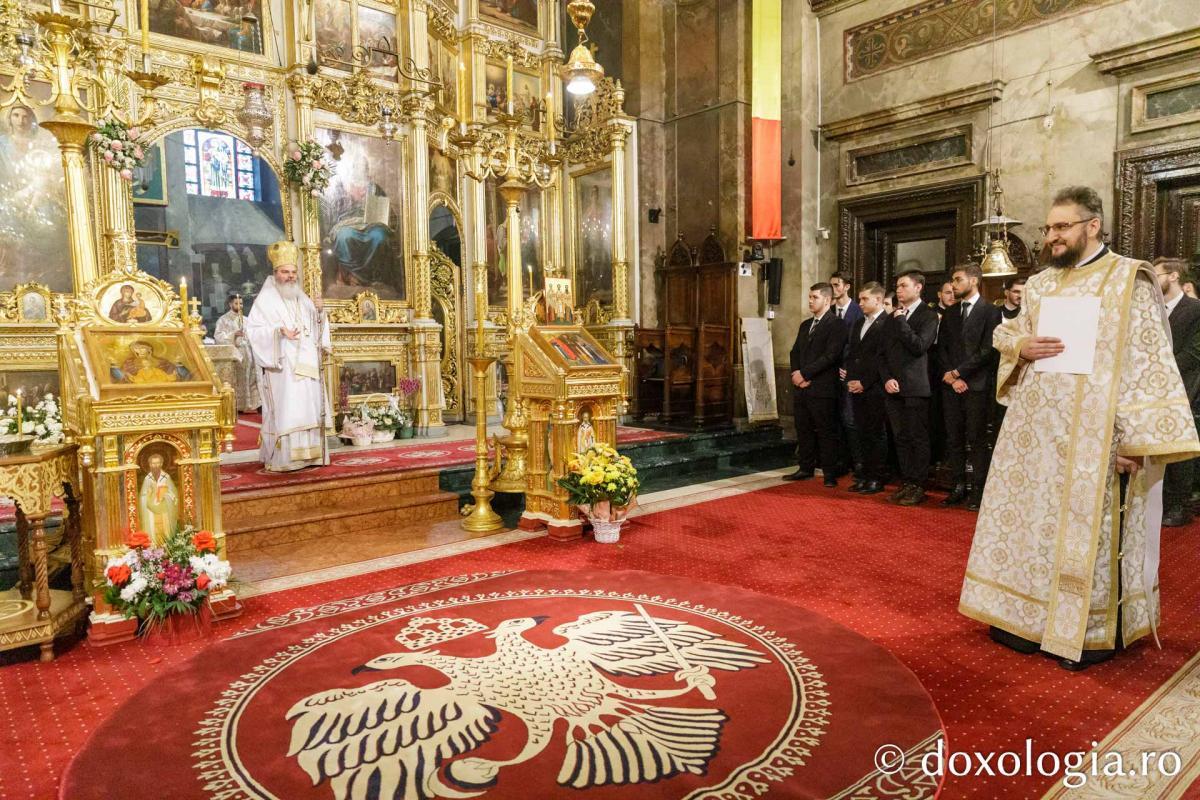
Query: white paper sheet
point(1074, 320)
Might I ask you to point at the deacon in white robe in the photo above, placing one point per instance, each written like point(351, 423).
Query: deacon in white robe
point(285, 330)
point(1066, 548)
point(231, 329)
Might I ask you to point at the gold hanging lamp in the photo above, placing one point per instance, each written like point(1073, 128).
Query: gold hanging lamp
point(581, 73)
point(996, 262)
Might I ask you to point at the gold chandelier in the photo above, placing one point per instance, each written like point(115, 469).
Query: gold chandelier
point(581, 73)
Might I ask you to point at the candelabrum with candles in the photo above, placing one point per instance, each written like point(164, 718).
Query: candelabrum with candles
point(521, 160)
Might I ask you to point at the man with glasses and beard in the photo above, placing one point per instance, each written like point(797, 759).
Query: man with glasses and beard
point(1065, 555)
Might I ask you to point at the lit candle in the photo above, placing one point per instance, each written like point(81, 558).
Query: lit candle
point(509, 83)
point(144, 13)
point(550, 132)
point(55, 6)
point(462, 97)
point(20, 401)
point(183, 301)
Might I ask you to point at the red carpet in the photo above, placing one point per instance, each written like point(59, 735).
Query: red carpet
point(891, 574)
point(422, 454)
point(785, 686)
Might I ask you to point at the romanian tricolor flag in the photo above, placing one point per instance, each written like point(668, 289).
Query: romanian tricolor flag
point(765, 161)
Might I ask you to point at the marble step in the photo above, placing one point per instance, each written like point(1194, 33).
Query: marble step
point(284, 514)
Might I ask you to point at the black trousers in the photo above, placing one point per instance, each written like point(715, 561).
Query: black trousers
point(909, 418)
point(966, 418)
point(1177, 484)
point(870, 420)
point(817, 439)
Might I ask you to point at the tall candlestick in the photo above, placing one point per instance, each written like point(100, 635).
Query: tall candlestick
point(144, 13)
point(462, 97)
point(183, 301)
point(20, 402)
point(479, 334)
point(509, 83)
point(550, 115)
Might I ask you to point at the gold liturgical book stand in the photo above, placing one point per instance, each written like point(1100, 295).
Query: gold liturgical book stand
point(570, 388)
point(141, 399)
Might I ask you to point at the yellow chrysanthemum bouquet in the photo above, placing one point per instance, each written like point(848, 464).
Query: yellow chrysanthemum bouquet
point(602, 482)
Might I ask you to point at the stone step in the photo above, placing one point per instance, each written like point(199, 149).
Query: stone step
point(347, 517)
point(286, 514)
point(671, 463)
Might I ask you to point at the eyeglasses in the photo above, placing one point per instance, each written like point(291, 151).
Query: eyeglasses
point(1063, 227)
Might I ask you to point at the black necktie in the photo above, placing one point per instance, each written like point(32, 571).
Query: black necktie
point(966, 310)
point(839, 312)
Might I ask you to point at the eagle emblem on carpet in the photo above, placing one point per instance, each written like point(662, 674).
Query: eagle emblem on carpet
point(390, 738)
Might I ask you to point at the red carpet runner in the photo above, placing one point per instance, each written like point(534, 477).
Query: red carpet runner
point(552, 674)
point(420, 455)
point(892, 574)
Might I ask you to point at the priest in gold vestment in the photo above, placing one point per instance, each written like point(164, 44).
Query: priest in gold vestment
point(1057, 563)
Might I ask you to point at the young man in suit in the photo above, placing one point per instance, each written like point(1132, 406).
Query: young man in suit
point(910, 334)
point(1013, 288)
point(969, 363)
point(816, 357)
point(866, 370)
point(1183, 315)
point(845, 309)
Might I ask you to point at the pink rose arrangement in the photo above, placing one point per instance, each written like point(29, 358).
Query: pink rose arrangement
point(117, 145)
point(307, 167)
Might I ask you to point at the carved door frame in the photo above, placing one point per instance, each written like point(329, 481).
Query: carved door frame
point(966, 198)
point(1139, 172)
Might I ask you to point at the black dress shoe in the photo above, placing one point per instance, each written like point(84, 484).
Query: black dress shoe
point(871, 487)
point(956, 496)
point(915, 497)
point(895, 496)
point(1086, 660)
point(1176, 518)
point(857, 486)
point(799, 475)
point(974, 501)
point(830, 482)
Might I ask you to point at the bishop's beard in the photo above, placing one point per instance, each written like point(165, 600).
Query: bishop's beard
point(289, 291)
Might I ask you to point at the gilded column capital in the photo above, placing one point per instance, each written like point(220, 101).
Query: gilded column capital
point(303, 86)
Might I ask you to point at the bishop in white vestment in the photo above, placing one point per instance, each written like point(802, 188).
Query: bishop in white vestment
point(285, 330)
point(231, 329)
point(1060, 562)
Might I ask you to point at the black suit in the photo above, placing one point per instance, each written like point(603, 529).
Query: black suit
point(906, 354)
point(850, 451)
point(866, 363)
point(1185, 327)
point(817, 355)
point(965, 346)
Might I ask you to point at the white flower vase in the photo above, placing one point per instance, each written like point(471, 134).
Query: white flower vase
point(606, 520)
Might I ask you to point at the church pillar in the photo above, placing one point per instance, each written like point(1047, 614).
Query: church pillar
point(114, 194)
point(427, 341)
point(308, 234)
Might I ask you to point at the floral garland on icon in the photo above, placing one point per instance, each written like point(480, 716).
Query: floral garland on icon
point(117, 145)
point(152, 583)
point(42, 420)
point(307, 167)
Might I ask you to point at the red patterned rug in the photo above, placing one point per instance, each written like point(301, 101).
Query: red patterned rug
point(424, 454)
point(536, 684)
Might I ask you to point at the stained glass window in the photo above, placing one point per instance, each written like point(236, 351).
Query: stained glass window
point(219, 165)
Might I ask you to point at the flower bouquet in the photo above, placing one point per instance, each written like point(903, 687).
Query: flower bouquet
point(387, 421)
point(117, 145)
point(408, 388)
point(603, 484)
point(307, 167)
point(166, 587)
point(42, 421)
